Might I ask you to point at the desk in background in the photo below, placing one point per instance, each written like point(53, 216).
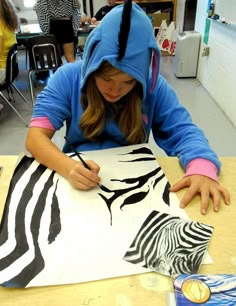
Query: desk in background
point(27, 31)
point(138, 290)
point(82, 35)
point(31, 28)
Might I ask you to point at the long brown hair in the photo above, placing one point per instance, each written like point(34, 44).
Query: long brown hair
point(127, 112)
point(8, 15)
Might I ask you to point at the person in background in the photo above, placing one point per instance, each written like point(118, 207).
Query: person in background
point(103, 11)
point(8, 27)
point(61, 18)
point(85, 19)
point(116, 97)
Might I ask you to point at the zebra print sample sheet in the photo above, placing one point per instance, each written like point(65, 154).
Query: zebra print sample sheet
point(170, 245)
point(52, 234)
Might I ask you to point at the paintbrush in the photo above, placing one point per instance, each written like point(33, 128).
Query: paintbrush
point(80, 158)
point(77, 153)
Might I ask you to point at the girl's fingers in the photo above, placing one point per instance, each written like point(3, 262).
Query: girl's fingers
point(206, 188)
point(83, 178)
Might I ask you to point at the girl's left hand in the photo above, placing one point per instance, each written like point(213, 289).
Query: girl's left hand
point(206, 187)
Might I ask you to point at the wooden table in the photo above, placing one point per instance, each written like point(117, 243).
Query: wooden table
point(145, 289)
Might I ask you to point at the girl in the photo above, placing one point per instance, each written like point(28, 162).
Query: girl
point(116, 97)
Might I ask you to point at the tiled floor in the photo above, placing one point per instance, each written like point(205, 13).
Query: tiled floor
point(204, 111)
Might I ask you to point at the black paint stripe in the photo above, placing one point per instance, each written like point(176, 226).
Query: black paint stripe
point(143, 150)
point(23, 165)
point(166, 194)
point(138, 160)
point(36, 266)
point(20, 236)
point(55, 224)
point(116, 193)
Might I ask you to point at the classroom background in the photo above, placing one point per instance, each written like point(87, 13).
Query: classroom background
point(210, 97)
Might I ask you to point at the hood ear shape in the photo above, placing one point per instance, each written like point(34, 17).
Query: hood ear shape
point(125, 38)
point(124, 28)
point(155, 69)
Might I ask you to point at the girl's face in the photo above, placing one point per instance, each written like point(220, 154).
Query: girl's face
point(114, 87)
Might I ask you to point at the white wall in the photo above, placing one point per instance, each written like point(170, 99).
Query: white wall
point(25, 12)
point(226, 9)
point(97, 4)
point(29, 14)
point(217, 72)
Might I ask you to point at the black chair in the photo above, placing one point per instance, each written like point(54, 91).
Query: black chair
point(44, 56)
point(12, 71)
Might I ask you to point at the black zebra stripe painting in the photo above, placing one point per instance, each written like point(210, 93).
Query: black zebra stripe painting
point(52, 234)
point(170, 245)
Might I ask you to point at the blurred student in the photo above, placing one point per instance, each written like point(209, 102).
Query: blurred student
point(8, 28)
point(103, 11)
point(61, 18)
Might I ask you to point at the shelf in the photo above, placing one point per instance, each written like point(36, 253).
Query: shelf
point(147, 1)
point(225, 25)
point(153, 2)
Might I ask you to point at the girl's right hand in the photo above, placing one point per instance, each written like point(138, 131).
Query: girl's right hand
point(83, 178)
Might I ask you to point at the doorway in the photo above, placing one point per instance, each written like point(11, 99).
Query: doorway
point(189, 15)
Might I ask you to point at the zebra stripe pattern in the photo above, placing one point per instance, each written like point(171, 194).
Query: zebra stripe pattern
point(44, 216)
point(169, 245)
point(13, 247)
point(48, 9)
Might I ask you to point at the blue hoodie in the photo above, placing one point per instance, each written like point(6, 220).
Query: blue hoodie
point(102, 45)
point(172, 127)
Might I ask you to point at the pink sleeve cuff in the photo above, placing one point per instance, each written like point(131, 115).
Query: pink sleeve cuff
point(202, 166)
point(42, 122)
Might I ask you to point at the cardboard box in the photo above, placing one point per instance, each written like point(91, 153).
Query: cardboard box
point(158, 17)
